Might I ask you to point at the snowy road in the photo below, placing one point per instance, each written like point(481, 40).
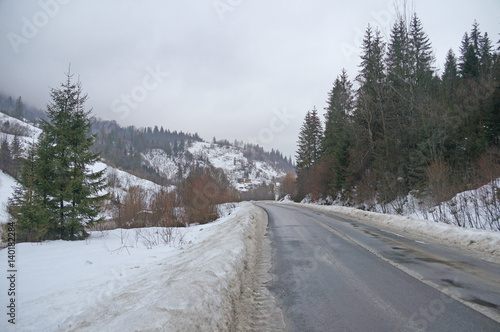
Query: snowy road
point(336, 274)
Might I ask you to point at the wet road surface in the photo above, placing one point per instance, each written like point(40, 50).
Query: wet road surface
point(336, 274)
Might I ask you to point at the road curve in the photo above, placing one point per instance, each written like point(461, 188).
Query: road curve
point(336, 274)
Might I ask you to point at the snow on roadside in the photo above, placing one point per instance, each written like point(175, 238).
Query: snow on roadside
point(117, 281)
point(481, 241)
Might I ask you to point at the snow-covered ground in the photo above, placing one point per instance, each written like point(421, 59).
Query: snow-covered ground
point(481, 241)
point(130, 280)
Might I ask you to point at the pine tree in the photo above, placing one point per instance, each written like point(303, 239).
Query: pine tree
point(5, 156)
point(308, 156)
point(309, 144)
point(370, 106)
point(415, 150)
point(19, 109)
point(469, 61)
point(400, 87)
point(450, 75)
point(492, 107)
point(420, 54)
point(336, 141)
point(26, 207)
point(398, 62)
point(63, 178)
point(475, 38)
point(17, 151)
point(485, 56)
point(176, 148)
point(370, 118)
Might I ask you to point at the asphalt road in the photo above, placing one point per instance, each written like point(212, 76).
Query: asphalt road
point(337, 274)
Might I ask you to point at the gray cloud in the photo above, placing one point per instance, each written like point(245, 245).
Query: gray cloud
point(226, 77)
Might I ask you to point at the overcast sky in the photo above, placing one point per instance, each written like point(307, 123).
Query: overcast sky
point(233, 69)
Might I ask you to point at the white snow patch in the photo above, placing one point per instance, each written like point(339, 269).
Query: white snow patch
point(118, 281)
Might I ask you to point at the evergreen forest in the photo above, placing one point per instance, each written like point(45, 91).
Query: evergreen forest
point(402, 126)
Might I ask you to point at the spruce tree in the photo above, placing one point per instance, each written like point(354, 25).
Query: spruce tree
point(450, 75)
point(400, 87)
point(25, 207)
point(336, 141)
point(398, 62)
point(309, 143)
point(371, 92)
point(308, 156)
point(5, 156)
point(370, 118)
point(469, 60)
point(486, 56)
point(420, 54)
point(19, 109)
point(416, 148)
point(69, 189)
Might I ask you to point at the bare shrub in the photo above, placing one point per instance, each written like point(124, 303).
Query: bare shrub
point(133, 212)
point(438, 180)
point(152, 237)
point(200, 193)
point(288, 185)
point(163, 209)
point(488, 167)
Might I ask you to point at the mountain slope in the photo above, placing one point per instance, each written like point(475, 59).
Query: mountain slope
point(167, 157)
point(231, 159)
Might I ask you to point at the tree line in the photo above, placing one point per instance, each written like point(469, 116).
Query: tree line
point(123, 147)
point(402, 127)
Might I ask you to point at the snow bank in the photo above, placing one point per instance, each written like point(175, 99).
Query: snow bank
point(482, 241)
point(121, 281)
point(478, 208)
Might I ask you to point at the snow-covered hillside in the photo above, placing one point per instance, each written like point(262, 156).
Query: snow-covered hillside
point(12, 127)
point(229, 158)
point(232, 159)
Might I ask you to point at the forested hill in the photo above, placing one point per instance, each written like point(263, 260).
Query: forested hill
point(147, 151)
point(162, 155)
point(122, 146)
